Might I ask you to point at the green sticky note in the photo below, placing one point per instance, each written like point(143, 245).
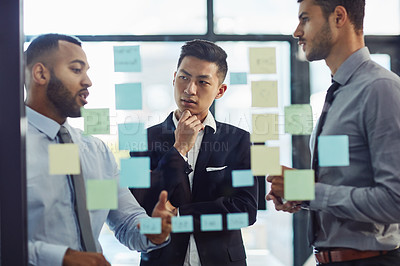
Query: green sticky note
point(333, 150)
point(64, 159)
point(265, 160)
point(298, 119)
point(128, 96)
point(265, 127)
point(127, 59)
point(262, 60)
point(299, 185)
point(264, 94)
point(135, 172)
point(102, 194)
point(235, 221)
point(96, 121)
point(150, 225)
point(242, 178)
point(211, 222)
point(182, 224)
point(238, 78)
point(132, 137)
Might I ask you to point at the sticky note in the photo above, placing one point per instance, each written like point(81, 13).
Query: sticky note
point(265, 127)
point(265, 160)
point(96, 121)
point(64, 159)
point(211, 222)
point(262, 60)
point(333, 150)
point(127, 59)
point(242, 178)
point(235, 221)
point(299, 185)
point(264, 94)
point(298, 119)
point(238, 78)
point(101, 194)
point(132, 137)
point(182, 224)
point(135, 172)
point(150, 225)
point(128, 96)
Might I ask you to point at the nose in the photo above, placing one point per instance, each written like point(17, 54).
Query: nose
point(298, 32)
point(191, 89)
point(86, 82)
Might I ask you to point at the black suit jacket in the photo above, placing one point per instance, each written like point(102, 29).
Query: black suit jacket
point(212, 192)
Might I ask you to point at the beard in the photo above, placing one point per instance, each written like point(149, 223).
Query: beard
point(321, 44)
point(62, 98)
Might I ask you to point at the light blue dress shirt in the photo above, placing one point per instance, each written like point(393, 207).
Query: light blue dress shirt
point(52, 222)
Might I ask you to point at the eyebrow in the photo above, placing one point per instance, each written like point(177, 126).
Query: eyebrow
point(82, 63)
point(200, 76)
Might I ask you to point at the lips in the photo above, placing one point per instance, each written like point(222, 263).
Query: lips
point(188, 101)
point(83, 94)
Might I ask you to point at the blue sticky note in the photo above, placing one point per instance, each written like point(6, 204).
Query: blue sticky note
point(132, 137)
point(150, 225)
point(242, 178)
point(238, 78)
point(333, 150)
point(182, 224)
point(127, 59)
point(236, 221)
point(128, 96)
point(135, 172)
point(211, 222)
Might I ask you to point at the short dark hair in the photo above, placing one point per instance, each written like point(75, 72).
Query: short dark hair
point(208, 51)
point(46, 43)
point(355, 9)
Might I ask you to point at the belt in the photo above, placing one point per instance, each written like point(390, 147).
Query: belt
point(344, 254)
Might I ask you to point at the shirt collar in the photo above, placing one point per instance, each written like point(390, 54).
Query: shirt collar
point(350, 65)
point(43, 123)
point(208, 121)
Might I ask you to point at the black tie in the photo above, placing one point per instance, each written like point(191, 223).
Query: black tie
point(80, 201)
point(312, 229)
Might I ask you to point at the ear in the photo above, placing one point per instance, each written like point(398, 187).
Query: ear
point(221, 90)
point(173, 82)
point(340, 16)
point(40, 74)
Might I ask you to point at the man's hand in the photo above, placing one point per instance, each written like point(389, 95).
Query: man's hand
point(160, 210)
point(277, 183)
point(79, 258)
point(289, 206)
point(186, 132)
point(171, 208)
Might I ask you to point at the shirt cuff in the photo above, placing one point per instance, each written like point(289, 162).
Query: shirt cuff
point(322, 192)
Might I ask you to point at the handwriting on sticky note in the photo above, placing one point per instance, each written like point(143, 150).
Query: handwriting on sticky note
point(265, 160)
point(235, 221)
point(262, 60)
point(128, 96)
point(150, 225)
point(211, 222)
point(182, 224)
point(265, 127)
point(135, 172)
point(333, 150)
point(298, 119)
point(264, 93)
point(96, 121)
point(101, 194)
point(299, 185)
point(238, 78)
point(132, 137)
point(127, 59)
point(242, 178)
point(64, 159)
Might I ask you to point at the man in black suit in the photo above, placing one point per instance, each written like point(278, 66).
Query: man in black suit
point(192, 157)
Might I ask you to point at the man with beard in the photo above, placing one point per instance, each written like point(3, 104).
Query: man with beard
point(354, 219)
point(61, 231)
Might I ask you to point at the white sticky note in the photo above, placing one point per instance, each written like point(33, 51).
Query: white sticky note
point(64, 159)
point(265, 160)
point(265, 127)
point(264, 94)
point(262, 60)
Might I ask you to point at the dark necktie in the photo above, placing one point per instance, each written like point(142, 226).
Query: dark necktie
point(312, 230)
point(80, 201)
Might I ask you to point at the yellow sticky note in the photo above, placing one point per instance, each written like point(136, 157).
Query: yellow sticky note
point(265, 127)
point(299, 185)
point(262, 60)
point(264, 94)
point(265, 160)
point(64, 159)
point(101, 194)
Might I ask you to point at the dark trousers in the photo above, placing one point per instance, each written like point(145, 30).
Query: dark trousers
point(390, 259)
